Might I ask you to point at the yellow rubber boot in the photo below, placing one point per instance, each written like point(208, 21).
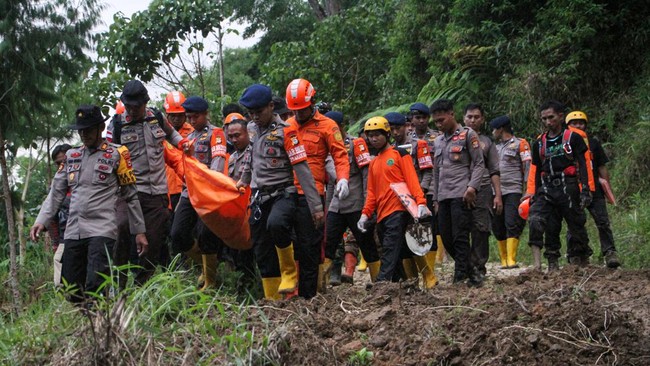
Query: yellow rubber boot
point(194, 259)
point(209, 271)
point(373, 267)
point(324, 275)
point(503, 253)
point(194, 255)
point(270, 286)
point(512, 245)
point(288, 270)
point(426, 265)
point(410, 269)
point(440, 254)
point(363, 265)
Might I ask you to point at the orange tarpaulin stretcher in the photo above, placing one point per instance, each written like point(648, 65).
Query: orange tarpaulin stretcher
point(216, 199)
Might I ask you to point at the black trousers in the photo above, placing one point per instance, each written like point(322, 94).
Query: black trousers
point(454, 224)
point(509, 224)
point(336, 225)
point(83, 261)
point(155, 209)
point(186, 223)
point(552, 242)
point(598, 211)
point(280, 216)
point(550, 205)
point(391, 232)
point(480, 234)
point(165, 256)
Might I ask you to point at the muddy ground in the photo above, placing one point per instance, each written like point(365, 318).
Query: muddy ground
point(576, 316)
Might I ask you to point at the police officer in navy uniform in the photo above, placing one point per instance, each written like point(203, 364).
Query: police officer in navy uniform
point(93, 173)
point(560, 166)
point(143, 130)
point(343, 214)
point(514, 164)
point(457, 173)
point(276, 208)
point(488, 198)
point(209, 148)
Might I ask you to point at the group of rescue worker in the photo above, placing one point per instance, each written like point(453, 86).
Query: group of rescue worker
point(316, 187)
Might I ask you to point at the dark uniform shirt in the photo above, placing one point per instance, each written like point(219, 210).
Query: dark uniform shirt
point(93, 177)
point(421, 154)
point(277, 153)
point(490, 159)
point(209, 148)
point(514, 164)
point(359, 162)
point(144, 141)
point(458, 164)
point(239, 165)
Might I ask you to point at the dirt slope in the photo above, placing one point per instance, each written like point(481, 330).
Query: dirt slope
point(576, 316)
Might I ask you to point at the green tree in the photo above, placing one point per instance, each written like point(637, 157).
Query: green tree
point(168, 41)
point(342, 57)
point(41, 44)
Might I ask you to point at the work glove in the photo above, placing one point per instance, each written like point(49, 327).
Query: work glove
point(585, 199)
point(361, 224)
point(423, 211)
point(342, 188)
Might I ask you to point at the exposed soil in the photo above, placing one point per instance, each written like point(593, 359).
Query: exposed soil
point(576, 316)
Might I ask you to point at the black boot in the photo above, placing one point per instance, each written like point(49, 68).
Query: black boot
point(335, 274)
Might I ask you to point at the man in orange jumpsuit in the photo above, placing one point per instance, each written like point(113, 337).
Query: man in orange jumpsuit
point(321, 137)
point(392, 165)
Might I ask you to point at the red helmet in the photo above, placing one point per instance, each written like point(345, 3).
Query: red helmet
point(119, 107)
point(231, 117)
point(300, 94)
point(524, 207)
point(173, 102)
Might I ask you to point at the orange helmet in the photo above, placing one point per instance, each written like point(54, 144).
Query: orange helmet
point(231, 117)
point(300, 93)
point(173, 102)
point(119, 107)
point(524, 207)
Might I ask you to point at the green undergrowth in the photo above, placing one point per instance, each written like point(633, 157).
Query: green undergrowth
point(166, 321)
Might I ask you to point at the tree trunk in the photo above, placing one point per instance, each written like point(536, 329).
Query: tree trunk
point(20, 217)
point(328, 9)
point(317, 9)
point(222, 84)
point(11, 227)
point(48, 149)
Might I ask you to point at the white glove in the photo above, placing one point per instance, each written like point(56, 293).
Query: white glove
point(362, 223)
point(423, 211)
point(342, 188)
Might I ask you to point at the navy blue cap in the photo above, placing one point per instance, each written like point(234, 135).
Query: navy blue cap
point(395, 119)
point(499, 122)
point(336, 116)
point(134, 93)
point(195, 104)
point(256, 96)
point(420, 107)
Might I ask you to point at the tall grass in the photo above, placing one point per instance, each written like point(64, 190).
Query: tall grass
point(166, 321)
